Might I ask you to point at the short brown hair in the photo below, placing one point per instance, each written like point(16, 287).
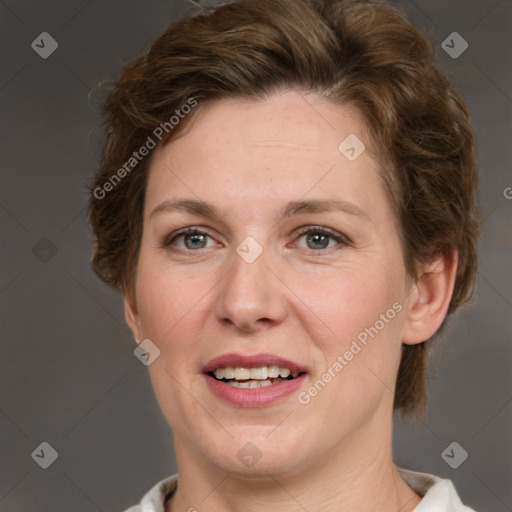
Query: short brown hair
point(359, 53)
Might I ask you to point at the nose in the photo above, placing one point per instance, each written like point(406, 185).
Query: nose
point(252, 297)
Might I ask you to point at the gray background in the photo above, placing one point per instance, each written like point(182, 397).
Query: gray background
point(68, 373)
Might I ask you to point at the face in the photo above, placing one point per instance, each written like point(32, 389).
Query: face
point(299, 268)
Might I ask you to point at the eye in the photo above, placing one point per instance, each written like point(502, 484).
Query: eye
point(318, 239)
point(192, 238)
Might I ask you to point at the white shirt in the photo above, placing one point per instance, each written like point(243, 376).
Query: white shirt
point(438, 494)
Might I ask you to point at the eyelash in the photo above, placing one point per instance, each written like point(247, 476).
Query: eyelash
point(342, 240)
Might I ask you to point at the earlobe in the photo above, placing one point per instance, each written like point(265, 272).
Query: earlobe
point(132, 317)
point(431, 298)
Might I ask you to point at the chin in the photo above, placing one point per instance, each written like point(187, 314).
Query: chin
point(253, 453)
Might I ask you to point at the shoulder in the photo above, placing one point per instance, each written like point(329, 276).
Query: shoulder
point(154, 499)
point(439, 494)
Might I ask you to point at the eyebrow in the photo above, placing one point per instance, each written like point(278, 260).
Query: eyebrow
point(205, 209)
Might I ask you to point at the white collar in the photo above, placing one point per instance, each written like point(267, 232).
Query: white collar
point(438, 494)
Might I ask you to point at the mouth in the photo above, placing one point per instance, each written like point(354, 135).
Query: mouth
point(252, 378)
point(253, 381)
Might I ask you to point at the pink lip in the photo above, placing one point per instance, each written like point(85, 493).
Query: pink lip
point(256, 397)
point(252, 397)
point(251, 362)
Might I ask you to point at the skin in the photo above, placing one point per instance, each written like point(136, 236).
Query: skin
point(299, 299)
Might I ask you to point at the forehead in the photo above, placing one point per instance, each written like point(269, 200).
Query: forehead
point(281, 146)
point(286, 118)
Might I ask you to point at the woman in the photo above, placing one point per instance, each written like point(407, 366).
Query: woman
point(287, 204)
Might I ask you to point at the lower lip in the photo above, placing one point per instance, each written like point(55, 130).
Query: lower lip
point(254, 397)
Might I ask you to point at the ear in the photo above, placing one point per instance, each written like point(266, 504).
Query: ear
point(131, 316)
point(430, 298)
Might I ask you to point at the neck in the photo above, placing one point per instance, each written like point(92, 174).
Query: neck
point(358, 474)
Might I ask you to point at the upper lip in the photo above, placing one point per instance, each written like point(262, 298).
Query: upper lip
point(251, 361)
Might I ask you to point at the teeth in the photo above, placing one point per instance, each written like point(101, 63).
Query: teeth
point(273, 372)
point(261, 373)
point(284, 372)
point(228, 373)
point(242, 373)
point(253, 383)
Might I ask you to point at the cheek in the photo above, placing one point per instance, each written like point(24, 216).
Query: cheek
point(346, 302)
point(172, 309)
point(355, 313)
point(171, 303)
